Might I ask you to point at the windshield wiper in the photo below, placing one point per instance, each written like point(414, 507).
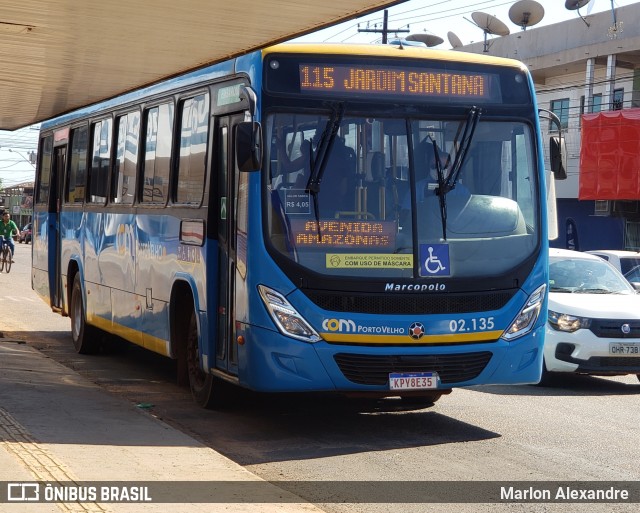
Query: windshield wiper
point(320, 158)
point(446, 185)
point(469, 127)
point(594, 290)
point(560, 289)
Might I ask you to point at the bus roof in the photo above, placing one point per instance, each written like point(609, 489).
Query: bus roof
point(391, 50)
point(228, 67)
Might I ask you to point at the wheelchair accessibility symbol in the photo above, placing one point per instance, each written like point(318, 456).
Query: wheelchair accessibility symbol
point(434, 260)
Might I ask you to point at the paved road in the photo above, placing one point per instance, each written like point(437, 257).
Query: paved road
point(581, 429)
point(59, 427)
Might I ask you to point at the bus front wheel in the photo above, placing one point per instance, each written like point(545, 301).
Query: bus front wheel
point(84, 340)
point(204, 387)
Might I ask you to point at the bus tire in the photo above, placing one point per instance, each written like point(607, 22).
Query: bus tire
point(205, 389)
point(84, 338)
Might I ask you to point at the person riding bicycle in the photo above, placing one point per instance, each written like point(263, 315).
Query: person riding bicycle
point(7, 227)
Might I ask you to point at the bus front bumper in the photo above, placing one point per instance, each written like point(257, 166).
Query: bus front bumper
point(271, 362)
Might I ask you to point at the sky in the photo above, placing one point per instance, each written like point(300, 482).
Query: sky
point(15, 148)
point(436, 17)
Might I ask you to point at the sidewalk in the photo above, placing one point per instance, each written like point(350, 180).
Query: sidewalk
point(55, 426)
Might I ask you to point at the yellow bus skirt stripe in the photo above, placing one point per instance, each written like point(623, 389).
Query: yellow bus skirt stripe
point(152, 343)
point(453, 338)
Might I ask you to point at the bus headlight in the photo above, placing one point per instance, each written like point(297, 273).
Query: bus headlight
point(527, 317)
point(286, 317)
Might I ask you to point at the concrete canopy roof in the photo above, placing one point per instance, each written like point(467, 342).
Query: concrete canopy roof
point(58, 55)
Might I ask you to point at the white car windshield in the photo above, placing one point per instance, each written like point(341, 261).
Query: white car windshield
point(587, 276)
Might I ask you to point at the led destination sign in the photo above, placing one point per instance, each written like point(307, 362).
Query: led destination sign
point(344, 234)
point(392, 80)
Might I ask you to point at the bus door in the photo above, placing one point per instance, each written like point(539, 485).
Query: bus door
point(227, 187)
point(54, 232)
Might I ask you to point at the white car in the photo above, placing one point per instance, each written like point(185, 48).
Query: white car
point(594, 318)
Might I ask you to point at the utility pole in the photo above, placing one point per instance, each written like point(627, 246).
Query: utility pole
point(385, 30)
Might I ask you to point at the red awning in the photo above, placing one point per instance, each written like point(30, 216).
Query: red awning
point(610, 156)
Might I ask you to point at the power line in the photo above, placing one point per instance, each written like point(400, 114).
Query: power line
point(393, 16)
point(385, 28)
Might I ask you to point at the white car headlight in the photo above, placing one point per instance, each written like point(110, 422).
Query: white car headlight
point(286, 317)
point(527, 317)
point(570, 323)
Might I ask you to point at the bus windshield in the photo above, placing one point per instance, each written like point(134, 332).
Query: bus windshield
point(369, 196)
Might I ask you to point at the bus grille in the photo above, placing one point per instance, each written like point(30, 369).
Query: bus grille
point(390, 304)
point(374, 370)
point(612, 328)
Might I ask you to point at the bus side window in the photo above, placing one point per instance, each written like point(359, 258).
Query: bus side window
point(100, 160)
point(42, 192)
point(123, 182)
point(194, 134)
point(157, 153)
point(76, 180)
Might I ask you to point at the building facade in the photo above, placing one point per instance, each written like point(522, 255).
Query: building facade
point(583, 66)
point(18, 200)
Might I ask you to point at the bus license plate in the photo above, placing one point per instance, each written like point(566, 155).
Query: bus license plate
point(413, 380)
point(624, 349)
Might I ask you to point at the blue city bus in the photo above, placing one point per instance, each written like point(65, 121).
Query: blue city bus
point(355, 219)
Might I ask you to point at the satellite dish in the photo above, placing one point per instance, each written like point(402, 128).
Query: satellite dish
point(526, 13)
point(489, 25)
point(573, 5)
point(427, 39)
point(454, 40)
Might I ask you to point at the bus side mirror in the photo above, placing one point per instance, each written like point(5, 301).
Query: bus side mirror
point(248, 145)
point(558, 157)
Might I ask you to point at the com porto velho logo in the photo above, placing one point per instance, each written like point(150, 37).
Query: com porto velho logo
point(339, 325)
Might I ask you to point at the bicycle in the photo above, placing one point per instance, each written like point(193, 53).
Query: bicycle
point(5, 256)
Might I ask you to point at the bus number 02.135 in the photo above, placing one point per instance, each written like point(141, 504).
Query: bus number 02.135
point(475, 324)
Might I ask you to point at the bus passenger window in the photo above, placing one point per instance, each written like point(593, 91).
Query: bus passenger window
point(194, 132)
point(44, 179)
point(123, 183)
point(100, 161)
point(157, 153)
point(76, 180)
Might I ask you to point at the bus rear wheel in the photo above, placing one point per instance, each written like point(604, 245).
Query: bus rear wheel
point(205, 388)
point(84, 339)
